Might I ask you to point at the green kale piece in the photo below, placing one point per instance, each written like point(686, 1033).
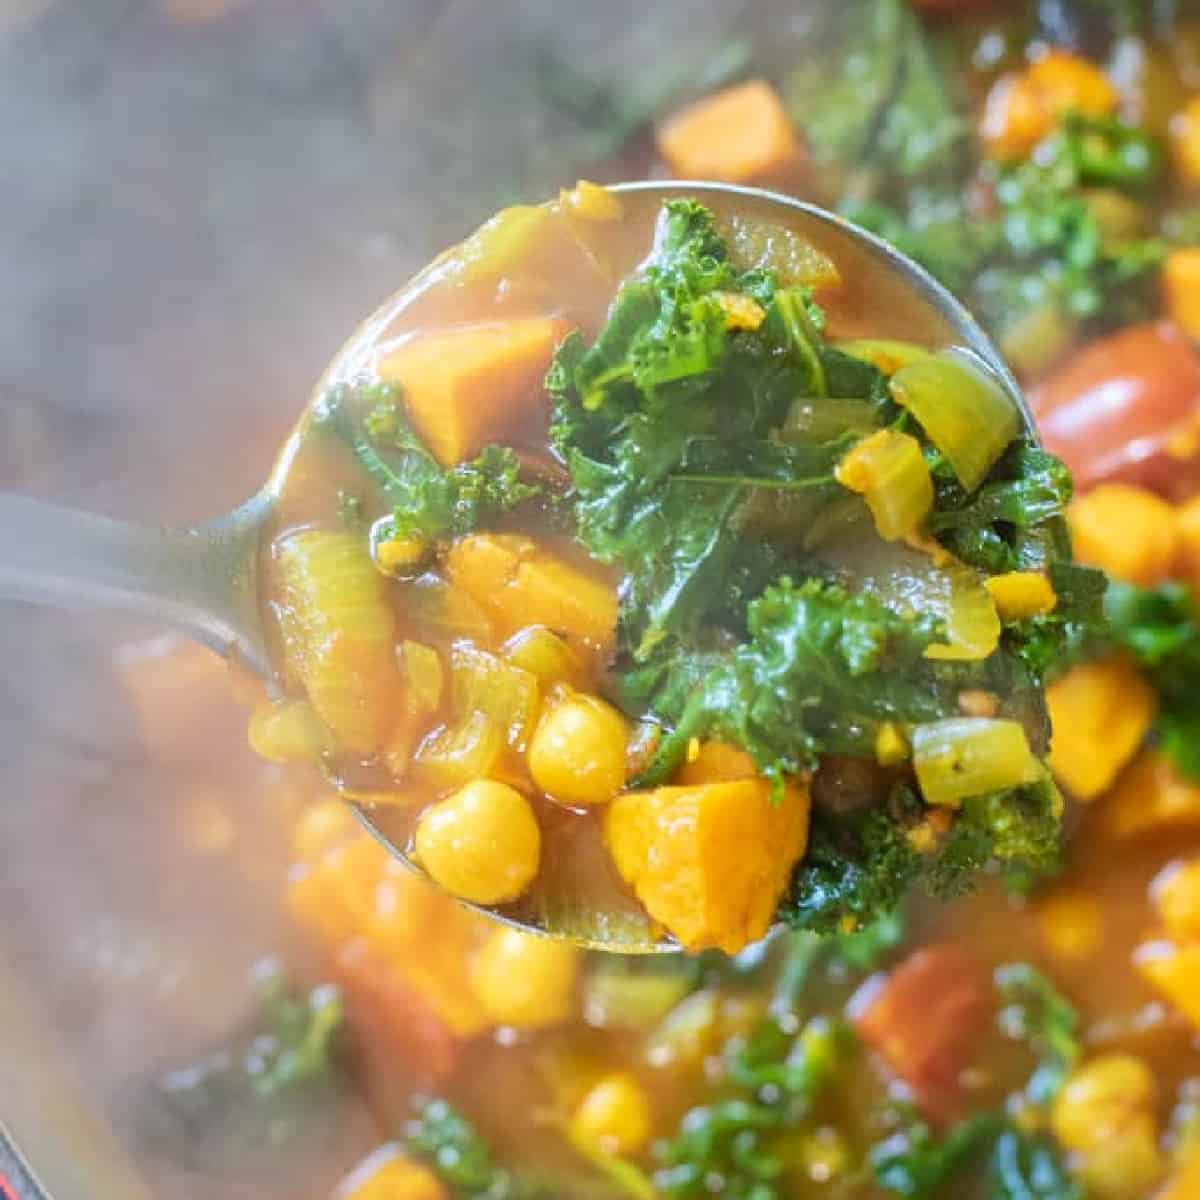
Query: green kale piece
point(1028, 1166)
point(821, 670)
point(269, 1083)
point(445, 1139)
point(1036, 1013)
point(662, 460)
point(1054, 642)
point(859, 867)
point(299, 1035)
point(731, 1139)
point(427, 500)
point(1015, 522)
point(877, 95)
point(915, 1163)
point(1160, 628)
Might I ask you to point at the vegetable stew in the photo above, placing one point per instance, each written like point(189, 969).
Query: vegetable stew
point(1035, 1035)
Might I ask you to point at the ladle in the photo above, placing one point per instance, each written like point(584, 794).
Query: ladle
point(204, 580)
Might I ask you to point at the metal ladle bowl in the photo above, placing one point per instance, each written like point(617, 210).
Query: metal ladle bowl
point(204, 580)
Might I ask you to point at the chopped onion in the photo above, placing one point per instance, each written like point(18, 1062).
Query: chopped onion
point(889, 471)
point(966, 413)
point(971, 756)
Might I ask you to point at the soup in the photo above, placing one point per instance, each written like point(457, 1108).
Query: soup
point(630, 516)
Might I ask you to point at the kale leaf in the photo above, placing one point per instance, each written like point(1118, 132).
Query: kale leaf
point(1014, 522)
point(663, 462)
point(821, 670)
point(1028, 1166)
point(859, 866)
point(782, 1076)
point(1160, 628)
point(913, 1162)
point(1036, 1013)
point(444, 1138)
point(877, 96)
point(273, 1078)
point(427, 500)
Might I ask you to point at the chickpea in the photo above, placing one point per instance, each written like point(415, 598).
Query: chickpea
point(525, 981)
point(614, 1117)
point(1126, 1167)
point(577, 754)
point(1100, 1099)
point(481, 844)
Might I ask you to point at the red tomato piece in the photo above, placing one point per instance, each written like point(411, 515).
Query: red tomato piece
point(926, 1018)
point(392, 1024)
point(1127, 408)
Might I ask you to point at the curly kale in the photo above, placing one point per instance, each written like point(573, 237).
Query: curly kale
point(779, 1076)
point(860, 866)
point(426, 499)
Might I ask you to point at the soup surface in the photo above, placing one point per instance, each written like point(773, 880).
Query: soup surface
point(1036, 1036)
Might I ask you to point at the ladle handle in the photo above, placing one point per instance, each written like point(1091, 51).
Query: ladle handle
point(202, 580)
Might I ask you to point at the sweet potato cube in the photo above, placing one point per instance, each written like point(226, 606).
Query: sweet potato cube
point(463, 388)
point(1127, 531)
point(1100, 712)
point(1174, 970)
point(709, 862)
point(519, 584)
point(1150, 798)
point(1181, 288)
point(738, 135)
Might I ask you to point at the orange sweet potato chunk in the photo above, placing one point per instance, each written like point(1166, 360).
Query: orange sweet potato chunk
point(520, 584)
point(463, 388)
point(709, 862)
point(738, 135)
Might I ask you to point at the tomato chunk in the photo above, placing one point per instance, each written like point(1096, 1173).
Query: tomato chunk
point(925, 1019)
point(1127, 408)
point(392, 1022)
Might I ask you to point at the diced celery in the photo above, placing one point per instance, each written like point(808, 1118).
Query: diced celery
point(497, 246)
point(755, 245)
point(506, 694)
point(618, 996)
point(445, 610)
point(459, 753)
point(972, 622)
point(423, 676)
point(971, 756)
point(888, 354)
point(889, 471)
point(966, 412)
point(688, 1034)
point(825, 420)
point(335, 613)
point(289, 731)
